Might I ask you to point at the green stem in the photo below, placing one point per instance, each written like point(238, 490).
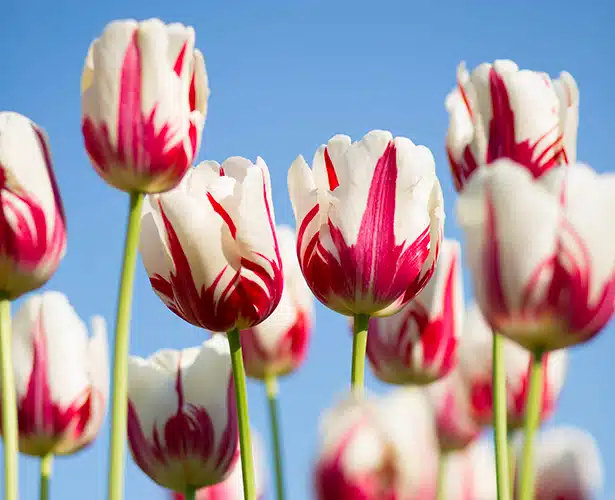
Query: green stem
point(441, 484)
point(46, 466)
point(271, 385)
point(532, 422)
point(119, 404)
point(190, 494)
point(241, 396)
point(359, 344)
point(499, 417)
point(512, 459)
point(9, 402)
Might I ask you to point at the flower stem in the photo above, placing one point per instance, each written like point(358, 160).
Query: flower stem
point(512, 459)
point(190, 494)
point(9, 402)
point(499, 415)
point(46, 466)
point(441, 484)
point(119, 404)
point(241, 396)
point(359, 344)
point(271, 384)
point(532, 421)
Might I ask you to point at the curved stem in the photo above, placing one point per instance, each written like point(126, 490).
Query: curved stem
point(271, 384)
point(441, 484)
point(119, 404)
point(532, 422)
point(190, 494)
point(9, 402)
point(241, 396)
point(359, 344)
point(46, 466)
point(499, 415)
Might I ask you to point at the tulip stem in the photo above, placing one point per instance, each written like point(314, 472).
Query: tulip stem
point(190, 493)
point(441, 484)
point(359, 345)
point(9, 401)
point(241, 397)
point(271, 385)
point(532, 421)
point(46, 466)
point(119, 404)
point(512, 459)
point(499, 415)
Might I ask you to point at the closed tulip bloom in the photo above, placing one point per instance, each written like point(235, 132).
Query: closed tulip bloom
point(61, 376)
point(279, 344)
point(470, 474)
point(378, 449)
point(418, 345)
point(209, 246)
point(499, 111)
point(544, 274)
point(32, 222)
point(144, 101)
point(369, 222)
point(182, 419)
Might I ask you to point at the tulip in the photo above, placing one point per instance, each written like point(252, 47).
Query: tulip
point(144, 102)
point(182, 429)
point(469, 473)
point(499, 111)
point(418, 345)
point(380, 448)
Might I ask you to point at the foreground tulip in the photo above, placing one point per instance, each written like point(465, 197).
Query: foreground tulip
point(144, 99)
point(469, 473)
point(380, 448)
point(418, 345)
point(499, 111)
point(182, 428)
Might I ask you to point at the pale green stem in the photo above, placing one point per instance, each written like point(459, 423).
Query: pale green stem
point(190, 494)
point(359, 345)
point(46, 467)
point(512, 459)
point(119, 403)
point(271, 385)
point(499, 416)
point(441, 484)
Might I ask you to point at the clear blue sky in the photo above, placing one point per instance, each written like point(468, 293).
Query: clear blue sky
point(286, 76)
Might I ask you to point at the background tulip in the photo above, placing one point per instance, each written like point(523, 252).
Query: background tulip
point(369, 221)
point(61, 376)
point(209, 246)
point(32, 222)
point(419, 343)
point(499, 111)
point(144, 101)
point(182, 421)
point(470, 473)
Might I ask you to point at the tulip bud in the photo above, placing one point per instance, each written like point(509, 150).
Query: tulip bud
point(470, 473)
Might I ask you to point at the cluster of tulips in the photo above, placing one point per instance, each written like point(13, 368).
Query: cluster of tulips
point(368, 244)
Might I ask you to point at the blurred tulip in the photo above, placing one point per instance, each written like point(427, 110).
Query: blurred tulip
point(499, 111)
point(470, 473)
point(377, 449)
point(568, 465)
point(279, 344)
point(418, 345)
point(61, 376)
point(144, 100)
point(209, 246)
point(544, 275)
point(32, 222)
point(369, 222)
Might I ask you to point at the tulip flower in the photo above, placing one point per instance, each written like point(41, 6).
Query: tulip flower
point(378, 448)
point(418, 345)
point(182, 428)
point(499, 111)
point(144, 99)
point(470, 473)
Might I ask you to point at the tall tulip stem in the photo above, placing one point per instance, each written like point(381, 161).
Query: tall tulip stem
point(441, 484)
point(46, 466)
point(190, 494)
point(119, 404)
point(271, 385)
point(9, 402)
point(499, 415)
point(359, 345)
point(241, 396)
point(532, 421)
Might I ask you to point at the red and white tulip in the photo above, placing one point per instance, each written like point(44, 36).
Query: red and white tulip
point(144, 101)
point(279, 344)
point(500, 111)
point(470, 473)
point(369, 222)
point(61, 376)
point(418, 345)
point(182, 419)
point(32, 222)
point(380, 448)
point(544, 274)
point(210, 248)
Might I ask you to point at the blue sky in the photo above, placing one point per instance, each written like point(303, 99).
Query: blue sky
point(285, 77)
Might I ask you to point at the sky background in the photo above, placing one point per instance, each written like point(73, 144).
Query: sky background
point(285, 77)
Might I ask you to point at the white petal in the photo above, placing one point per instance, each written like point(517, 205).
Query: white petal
point(152, 240)
point(568, 94)
point(460, 127)
point(99, 357)
point(304, 197)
